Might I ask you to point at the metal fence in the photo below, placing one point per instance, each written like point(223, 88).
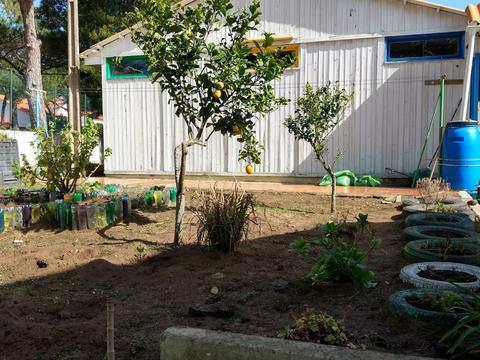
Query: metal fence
point(15, 111)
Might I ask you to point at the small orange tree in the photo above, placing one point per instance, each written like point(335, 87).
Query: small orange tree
point(318, 113)
point(200, 55)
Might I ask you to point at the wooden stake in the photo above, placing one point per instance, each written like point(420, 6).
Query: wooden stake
point(73, 66)
point(110, 332)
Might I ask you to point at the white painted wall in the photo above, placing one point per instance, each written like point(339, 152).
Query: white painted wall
point(340, 41)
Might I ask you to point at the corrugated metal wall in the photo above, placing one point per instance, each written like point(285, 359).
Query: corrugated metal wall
point(384, 127)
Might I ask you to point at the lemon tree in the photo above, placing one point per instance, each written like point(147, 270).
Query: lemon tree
point(201, 56)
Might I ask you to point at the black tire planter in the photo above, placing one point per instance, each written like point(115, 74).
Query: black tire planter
point(416, 251)
point(440, 219)
point(438, 232)
point(411, 274)
point(398, 304)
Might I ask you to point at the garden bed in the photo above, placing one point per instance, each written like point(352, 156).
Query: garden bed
point(59, 311)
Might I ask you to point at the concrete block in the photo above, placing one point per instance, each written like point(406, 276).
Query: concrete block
point(179, 343)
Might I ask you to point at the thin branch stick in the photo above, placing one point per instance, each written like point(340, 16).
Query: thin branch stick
point(110, 332)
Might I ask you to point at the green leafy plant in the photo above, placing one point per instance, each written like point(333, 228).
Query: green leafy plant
point(444, 302)
point(342, 263)
point(318, 113)
point(62, 157)
point(89, 187)
point(318, 328)
point(464, 338)
point(300, 246)
point(224, 217)
point(442, 208)
point(200, 55)
point(331, 229)
point(362, 221)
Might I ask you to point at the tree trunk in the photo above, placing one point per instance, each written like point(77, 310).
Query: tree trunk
point(329, 170)
point(333, 199)
point(181, 153)
point(33, 73)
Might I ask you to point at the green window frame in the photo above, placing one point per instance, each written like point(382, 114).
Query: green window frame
point(139, 61)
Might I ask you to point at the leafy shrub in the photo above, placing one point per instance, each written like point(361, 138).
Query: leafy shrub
point(342, 263)
point(318, 328)
point(224, 217)
point(464, 337)
point(300, 246)
point(62, 157)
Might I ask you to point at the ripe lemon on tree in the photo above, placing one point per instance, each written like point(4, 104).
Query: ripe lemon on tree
point(219, 85)
point(236, 130)
point(217, 94)
point(249, 169)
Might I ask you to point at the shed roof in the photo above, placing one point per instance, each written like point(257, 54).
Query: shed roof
point(98, 46)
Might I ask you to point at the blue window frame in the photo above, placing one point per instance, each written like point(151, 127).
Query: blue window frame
point(425, 47)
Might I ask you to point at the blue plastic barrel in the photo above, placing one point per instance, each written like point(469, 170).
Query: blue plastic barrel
point(460, 161)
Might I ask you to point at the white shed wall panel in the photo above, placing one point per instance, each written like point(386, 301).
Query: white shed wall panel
point(384, 127)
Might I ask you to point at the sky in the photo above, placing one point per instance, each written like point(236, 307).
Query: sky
point(461, 4)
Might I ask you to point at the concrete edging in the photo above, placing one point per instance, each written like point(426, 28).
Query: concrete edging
point(180, 343)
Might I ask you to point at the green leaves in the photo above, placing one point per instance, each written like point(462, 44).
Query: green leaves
point(62, 156)
point(343, 261)
point(192, 48)
point(464, 337)
point(299, 246)
point(317, 114)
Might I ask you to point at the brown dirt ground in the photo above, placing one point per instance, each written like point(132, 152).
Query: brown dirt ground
point(59, 312)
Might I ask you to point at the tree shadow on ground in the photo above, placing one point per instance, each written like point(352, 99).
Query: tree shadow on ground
point(63, 315)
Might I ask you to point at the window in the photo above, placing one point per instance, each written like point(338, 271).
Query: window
point(127, 67)
point(285, 50)
point(425, 47)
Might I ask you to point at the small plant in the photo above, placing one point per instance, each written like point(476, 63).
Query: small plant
point(342, 263)
point(140, 255)
point(139, 345)
point(318, 328)
point(442, 208)
point(431, 189)
point(445, 302)
point(362, 221)
point(62, 157)
point(331, 229)
point(224, 217)
point(300, 246)
point(318, 113)
point(464, 337)
point(3, 136)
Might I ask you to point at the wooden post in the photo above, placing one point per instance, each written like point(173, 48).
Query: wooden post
point(73, 65)
point(110, 332)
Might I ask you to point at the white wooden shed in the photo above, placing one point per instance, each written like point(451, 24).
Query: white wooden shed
point(389, 52)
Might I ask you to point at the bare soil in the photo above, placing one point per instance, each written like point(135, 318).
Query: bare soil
point(59, 311)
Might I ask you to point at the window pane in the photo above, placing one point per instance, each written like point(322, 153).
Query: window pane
point(425, 46)
point(441, 47)
point(406, 49)
point(130, 67)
